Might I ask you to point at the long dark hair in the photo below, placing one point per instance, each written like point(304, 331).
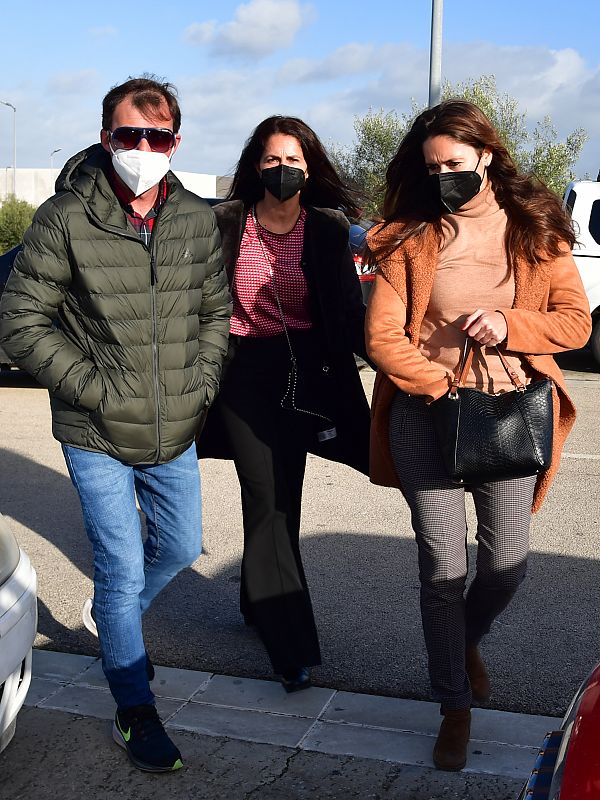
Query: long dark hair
point(323, 188)
point(537, 227)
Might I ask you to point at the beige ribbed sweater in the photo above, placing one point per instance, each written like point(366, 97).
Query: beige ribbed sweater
point(472, 272)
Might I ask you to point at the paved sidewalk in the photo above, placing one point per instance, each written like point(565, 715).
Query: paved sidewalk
point(318, 720)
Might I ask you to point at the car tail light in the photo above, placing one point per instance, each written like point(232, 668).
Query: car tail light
point(540, 779)
point(363, 277)
point(567, 765)
point(576, 774)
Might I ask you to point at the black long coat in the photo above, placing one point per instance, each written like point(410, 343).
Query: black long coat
point(338, 315)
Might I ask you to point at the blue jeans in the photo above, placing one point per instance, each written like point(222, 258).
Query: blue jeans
point(130, 572)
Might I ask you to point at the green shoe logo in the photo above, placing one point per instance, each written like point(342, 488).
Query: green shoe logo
point(126, 735)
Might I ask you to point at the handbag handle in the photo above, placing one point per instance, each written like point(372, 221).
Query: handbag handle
point(464, 366)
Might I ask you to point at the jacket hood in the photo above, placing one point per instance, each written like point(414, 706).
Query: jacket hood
point(85, 176)
point(82, 168)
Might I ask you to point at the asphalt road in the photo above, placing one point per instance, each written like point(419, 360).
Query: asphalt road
point(216, 769)
point(360, 560)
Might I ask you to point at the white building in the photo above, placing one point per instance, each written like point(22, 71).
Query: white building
point(37, 185)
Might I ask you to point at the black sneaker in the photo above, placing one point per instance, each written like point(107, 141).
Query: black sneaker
point(140, 731)
point(295, 679)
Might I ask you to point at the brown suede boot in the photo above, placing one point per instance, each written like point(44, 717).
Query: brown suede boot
point(450, 749)
point(478, 675)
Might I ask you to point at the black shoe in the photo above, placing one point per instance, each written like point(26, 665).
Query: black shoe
point(294, 680)
point(140, 731)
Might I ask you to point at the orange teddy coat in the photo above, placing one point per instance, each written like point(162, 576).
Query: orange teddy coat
point(550, 314)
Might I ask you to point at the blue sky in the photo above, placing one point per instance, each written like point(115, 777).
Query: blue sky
point(236, 63)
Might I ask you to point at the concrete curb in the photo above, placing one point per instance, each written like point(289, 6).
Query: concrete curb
point(318, 719)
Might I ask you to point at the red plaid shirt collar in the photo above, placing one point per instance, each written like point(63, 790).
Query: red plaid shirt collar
point(143, 225)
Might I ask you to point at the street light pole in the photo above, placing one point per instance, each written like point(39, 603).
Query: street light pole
point(10, 105)
point(435, 54)
point(58, 149)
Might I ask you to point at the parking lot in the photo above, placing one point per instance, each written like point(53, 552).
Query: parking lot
point(361, 565)
point(360, 559)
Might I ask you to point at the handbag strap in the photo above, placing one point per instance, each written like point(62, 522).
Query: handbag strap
point(464, 366)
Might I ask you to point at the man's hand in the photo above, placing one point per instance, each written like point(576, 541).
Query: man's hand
point(486, 327)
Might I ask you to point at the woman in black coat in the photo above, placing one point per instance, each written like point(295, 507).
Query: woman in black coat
point(290, 385)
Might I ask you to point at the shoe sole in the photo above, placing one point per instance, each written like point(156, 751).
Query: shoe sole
point(481, 702)
point(298, 687)
point(87, 619)
point(141, 765)
point(450, 769)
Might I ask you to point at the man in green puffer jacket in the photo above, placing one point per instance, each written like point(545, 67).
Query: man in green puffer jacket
point(118, 304)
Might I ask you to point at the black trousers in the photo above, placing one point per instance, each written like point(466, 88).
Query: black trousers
point(269, 445)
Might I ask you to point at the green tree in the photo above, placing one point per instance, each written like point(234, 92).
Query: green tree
point(378, 133)
point(551, 160)
point(15, 218)
point(538, 152)
point(501, 109)
point(364, 163)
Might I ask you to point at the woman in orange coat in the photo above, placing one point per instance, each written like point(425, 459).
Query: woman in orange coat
point(468, 247)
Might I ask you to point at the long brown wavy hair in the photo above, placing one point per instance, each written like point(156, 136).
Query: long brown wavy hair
point(537, 227)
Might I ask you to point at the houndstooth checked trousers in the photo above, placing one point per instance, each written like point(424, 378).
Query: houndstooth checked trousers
point(438, 515)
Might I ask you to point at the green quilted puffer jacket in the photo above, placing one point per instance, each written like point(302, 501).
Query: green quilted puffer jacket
point(129, 339)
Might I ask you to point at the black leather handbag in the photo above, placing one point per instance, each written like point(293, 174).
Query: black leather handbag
point(492, 437)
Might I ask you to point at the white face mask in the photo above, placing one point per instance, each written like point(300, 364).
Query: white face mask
point(140, 169)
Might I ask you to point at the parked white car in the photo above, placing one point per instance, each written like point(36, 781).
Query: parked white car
point(18, 626)
point(582, 201)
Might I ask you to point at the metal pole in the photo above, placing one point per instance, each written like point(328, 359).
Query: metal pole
point(58, 149)
point(10, 105)
point(435, 54)
point(15, 150)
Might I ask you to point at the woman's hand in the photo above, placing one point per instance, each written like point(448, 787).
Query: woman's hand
point(486, 327)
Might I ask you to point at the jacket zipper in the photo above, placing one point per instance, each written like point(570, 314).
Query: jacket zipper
point(155, 348)
point(153, 280)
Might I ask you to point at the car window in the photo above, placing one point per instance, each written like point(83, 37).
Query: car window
point(358, 233)
point(6, 262)
point(594, 223)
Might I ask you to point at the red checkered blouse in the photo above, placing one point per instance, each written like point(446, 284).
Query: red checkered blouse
point(255, 310)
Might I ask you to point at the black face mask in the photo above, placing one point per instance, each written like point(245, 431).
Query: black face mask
point(449, 191)
point(283, 182)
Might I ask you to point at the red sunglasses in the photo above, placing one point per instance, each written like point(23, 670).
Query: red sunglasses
point(159, 139)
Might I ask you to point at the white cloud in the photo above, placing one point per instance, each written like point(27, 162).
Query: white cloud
point(351, 59)
point(219, 111)
point(259, 28)
point(544, 82)
point(221, 106)
point(105, 32)
point(200, 33)
point(73, 83)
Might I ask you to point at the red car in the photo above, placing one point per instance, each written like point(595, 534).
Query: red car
point(568, 764)
point(358, 234)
